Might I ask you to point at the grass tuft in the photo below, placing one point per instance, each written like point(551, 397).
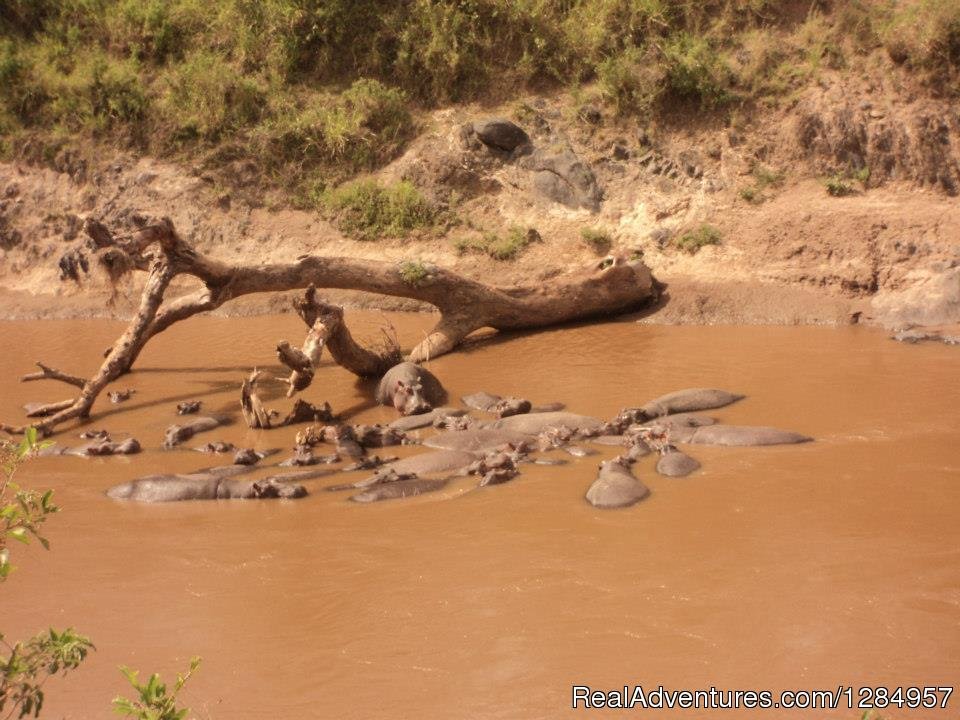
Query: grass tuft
point(693, 240)
point(599, 240)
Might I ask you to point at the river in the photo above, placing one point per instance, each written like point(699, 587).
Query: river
point(811, 566)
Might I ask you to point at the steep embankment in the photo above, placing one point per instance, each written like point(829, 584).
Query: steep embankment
point(784, 163)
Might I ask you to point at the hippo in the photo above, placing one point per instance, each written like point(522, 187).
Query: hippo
point(411, 389)
point(536, 423)
point(400, 489)
point(481, 400)
point(414, 422)
point(202, 486)
point(477, 440)
point(742, 435)
point(176, 434)
point(189, 407)
point(686, 401)
point(434, 463)
point(616, 487)
point(674, 463)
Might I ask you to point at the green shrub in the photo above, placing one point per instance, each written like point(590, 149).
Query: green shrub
point(926, 35)
point(838, 186)
point(206, 98)
point(366, 210)
point(599, 240)
point(154, 701)
point(414, 272)
point(692, 240)
point(695, 71)
point(506, 247)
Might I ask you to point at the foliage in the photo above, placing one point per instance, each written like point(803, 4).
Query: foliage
point(507, 247)
point(599, 240)
point(764, 178)
point(366, 210)
point(154, 701)
point(318, 91)
point(692, 240)
point(25, 666)
point(414, 272)
point(22, 511)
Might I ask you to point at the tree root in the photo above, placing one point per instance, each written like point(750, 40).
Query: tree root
point(614, 286)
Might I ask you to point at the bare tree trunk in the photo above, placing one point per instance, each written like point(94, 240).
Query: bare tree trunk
point(466, 305)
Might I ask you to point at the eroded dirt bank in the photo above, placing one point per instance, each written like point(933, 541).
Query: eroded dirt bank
point(788, 252)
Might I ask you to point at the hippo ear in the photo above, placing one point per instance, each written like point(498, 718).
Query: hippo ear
point(257, 489)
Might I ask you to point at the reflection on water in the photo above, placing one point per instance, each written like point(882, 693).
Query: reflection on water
point(787, 567)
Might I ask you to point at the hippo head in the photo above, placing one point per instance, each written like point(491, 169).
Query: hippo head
point(408, 398)
point(274, 489)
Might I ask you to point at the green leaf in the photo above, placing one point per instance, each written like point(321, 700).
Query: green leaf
point(20, 534)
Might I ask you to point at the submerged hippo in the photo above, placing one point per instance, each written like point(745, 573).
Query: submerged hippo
point(674, 463)
point(616, 487)
point(477, 440)
point(400, 489)
point(742, 435)
point(536, 423)
point(177, 434)
point(202, 486)
point(689, 400)
point(414, 422)
point(411, 389)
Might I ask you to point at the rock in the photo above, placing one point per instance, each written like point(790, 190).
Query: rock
point(616, 487)
point(674, 463)
point(562, 177)
point(931, 300)
point(501, 134)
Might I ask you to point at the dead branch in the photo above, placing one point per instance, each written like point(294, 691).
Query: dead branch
point(49, 373)
point(465, 305)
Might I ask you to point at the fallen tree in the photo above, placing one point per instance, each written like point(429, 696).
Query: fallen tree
point(612, 286)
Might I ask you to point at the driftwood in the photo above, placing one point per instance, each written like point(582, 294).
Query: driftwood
point(612, 286)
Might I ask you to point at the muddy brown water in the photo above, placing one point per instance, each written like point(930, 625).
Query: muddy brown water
point(810, 566)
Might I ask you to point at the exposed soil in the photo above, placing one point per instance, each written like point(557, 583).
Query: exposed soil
point(889, 252)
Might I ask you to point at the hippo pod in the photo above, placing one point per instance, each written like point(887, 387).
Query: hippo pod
point(204, 486)
point(616, 487)
point(411, 389)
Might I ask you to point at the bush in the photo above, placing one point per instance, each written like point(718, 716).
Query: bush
point(366, 210)
point(926, 36)
point(507, 247)
point(598, 240)
point(692, 240)
point(414, 272)
point(206, 98)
